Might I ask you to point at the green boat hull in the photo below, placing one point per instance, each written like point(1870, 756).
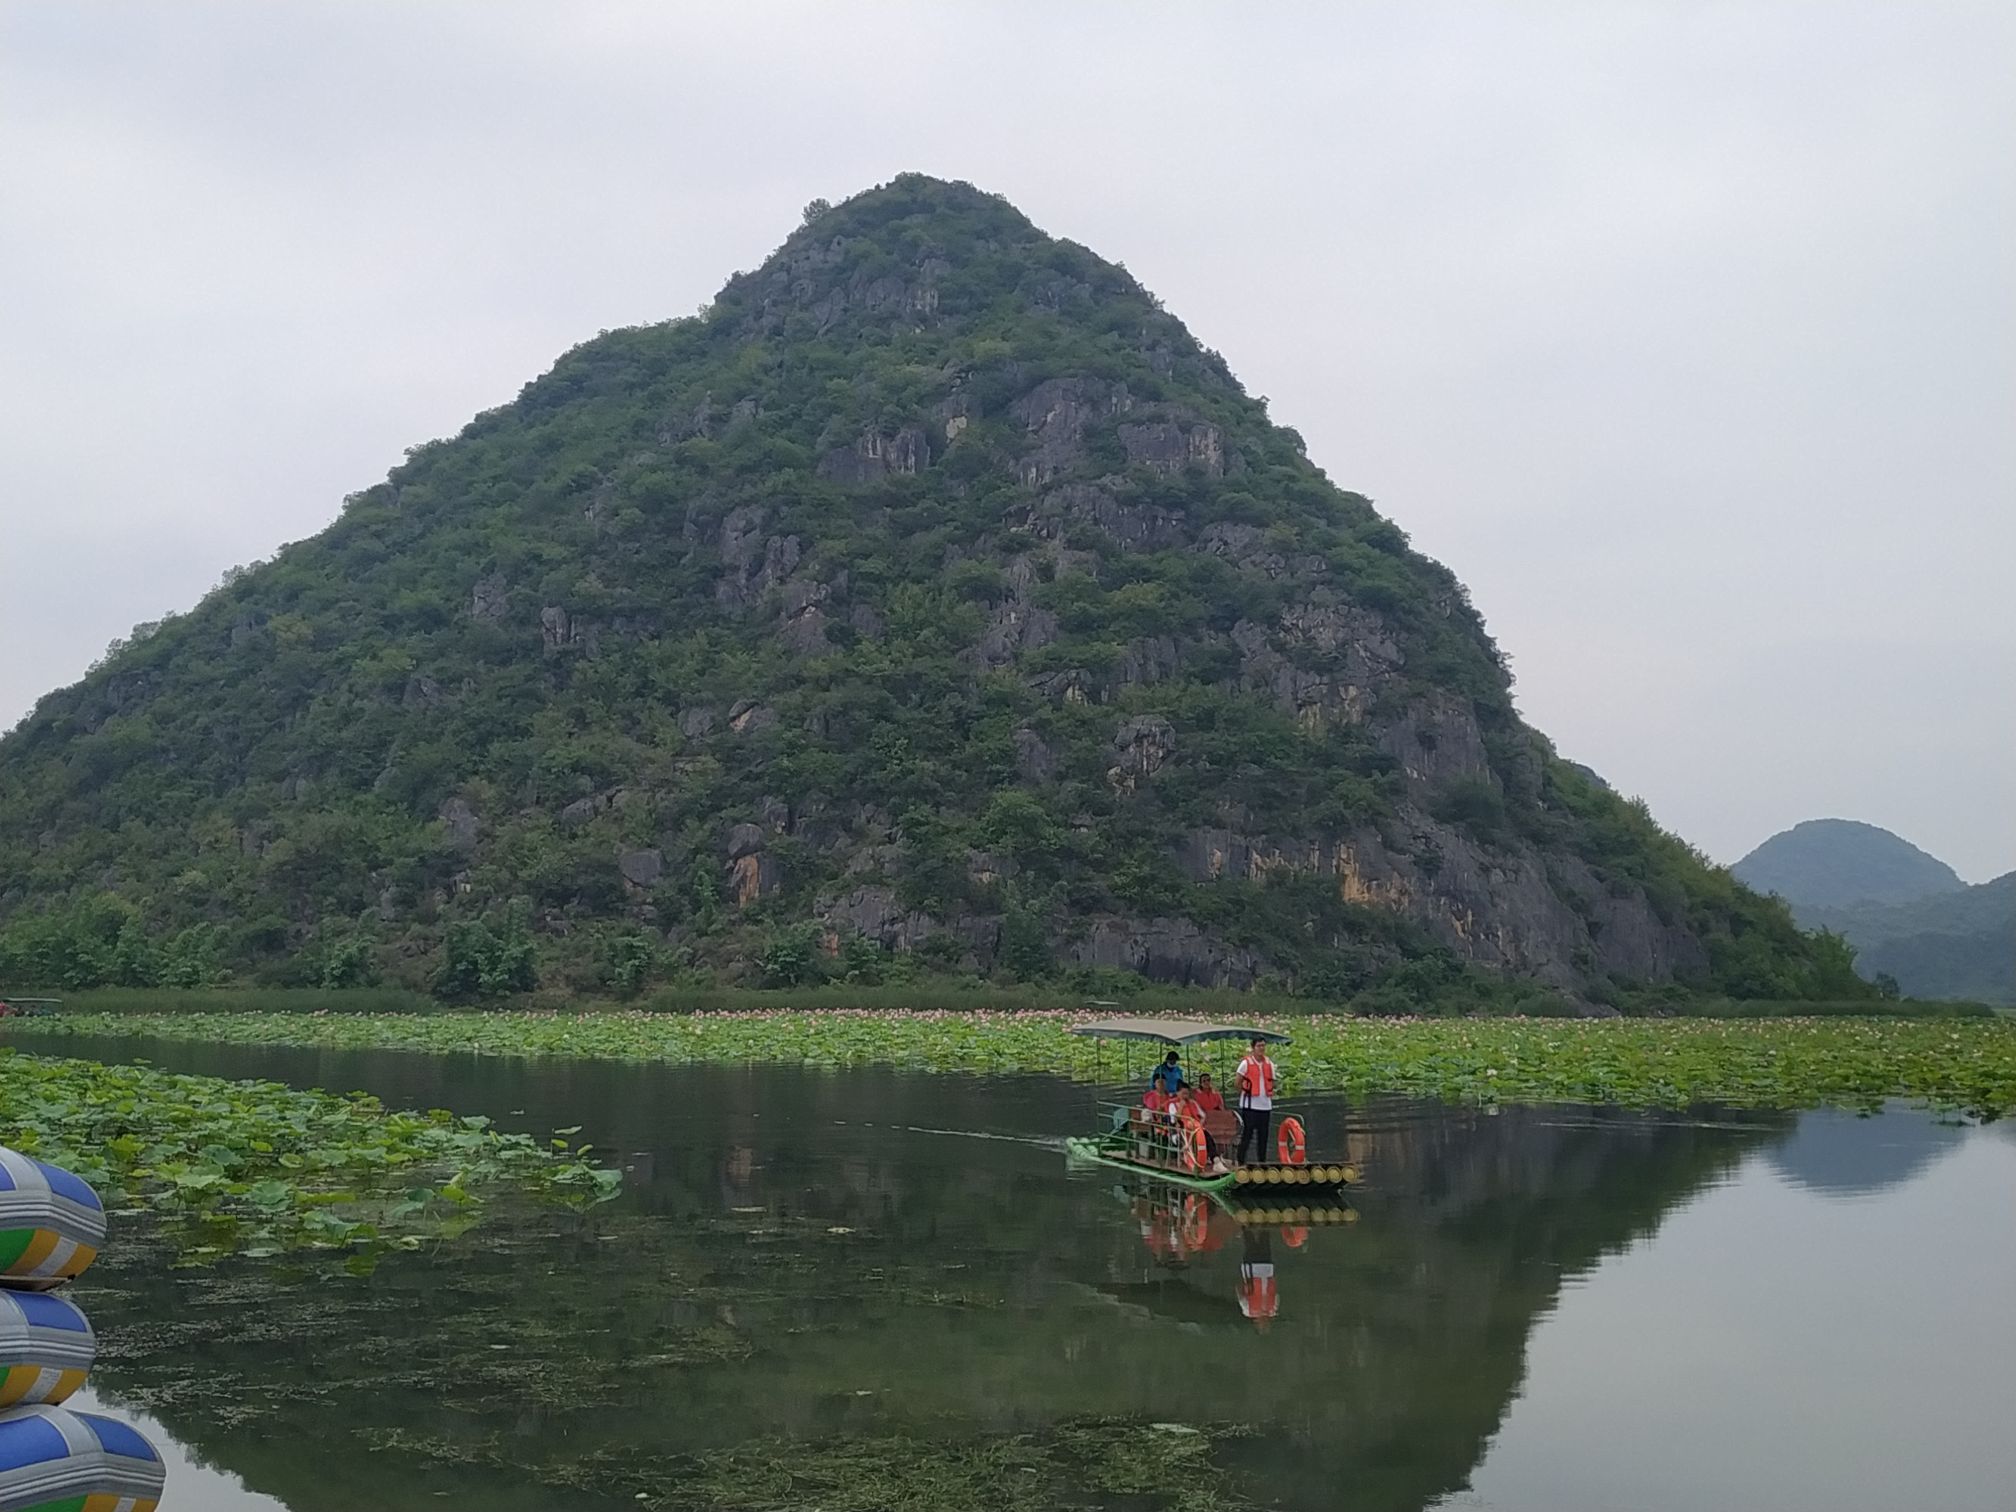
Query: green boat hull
point(1114, 1152)
point(1103, 1154)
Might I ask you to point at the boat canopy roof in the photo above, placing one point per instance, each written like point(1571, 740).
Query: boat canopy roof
point(1172, 1031)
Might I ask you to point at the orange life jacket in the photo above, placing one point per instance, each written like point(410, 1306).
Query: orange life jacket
point(1258, 1297)
point(1256, 1076)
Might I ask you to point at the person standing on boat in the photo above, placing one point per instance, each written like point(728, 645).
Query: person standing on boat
point(1255, 1081)
point(1168, 1076)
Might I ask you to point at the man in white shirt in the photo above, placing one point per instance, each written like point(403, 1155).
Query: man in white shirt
point(1255, 1081)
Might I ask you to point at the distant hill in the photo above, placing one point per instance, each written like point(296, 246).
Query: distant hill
point(1830, 863)
point(1952, 945)
point(1907, 913)
point(933, 601)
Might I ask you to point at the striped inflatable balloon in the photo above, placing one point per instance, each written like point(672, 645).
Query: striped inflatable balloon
point(51, 1223)
point(46, 1349)
point(56, 1460)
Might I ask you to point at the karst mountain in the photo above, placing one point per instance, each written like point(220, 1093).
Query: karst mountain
point(933, 600)
point(1907, 913)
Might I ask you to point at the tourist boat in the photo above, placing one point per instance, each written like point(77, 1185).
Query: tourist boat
point(1131, 1137)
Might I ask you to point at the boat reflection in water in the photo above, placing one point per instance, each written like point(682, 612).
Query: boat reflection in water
point(1180, 1229)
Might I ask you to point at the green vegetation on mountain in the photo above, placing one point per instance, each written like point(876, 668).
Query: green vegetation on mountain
point(931, 603)
point(1831, 863)
point(1950, 945)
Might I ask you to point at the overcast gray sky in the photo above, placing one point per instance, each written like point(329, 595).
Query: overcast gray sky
point(1684, 333)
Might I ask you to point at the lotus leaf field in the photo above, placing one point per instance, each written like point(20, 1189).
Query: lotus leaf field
point(1965, 1065)
point(254, 1168)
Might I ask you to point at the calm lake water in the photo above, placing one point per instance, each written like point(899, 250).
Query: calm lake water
point(820, 1283)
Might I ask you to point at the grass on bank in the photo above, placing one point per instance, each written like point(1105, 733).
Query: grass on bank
point(250, 1167)
point(1960, 1064)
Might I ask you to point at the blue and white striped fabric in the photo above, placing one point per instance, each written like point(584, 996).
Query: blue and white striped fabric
point(51, 1454)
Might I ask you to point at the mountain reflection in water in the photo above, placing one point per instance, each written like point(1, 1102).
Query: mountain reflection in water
point(807, 1258)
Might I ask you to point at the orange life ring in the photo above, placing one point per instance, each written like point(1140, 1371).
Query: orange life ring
point(1290, 1144)
point(1194, 1151)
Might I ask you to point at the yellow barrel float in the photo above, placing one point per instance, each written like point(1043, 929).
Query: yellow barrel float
point(51, 1224)
point(46, 1349)
point(56, 1460)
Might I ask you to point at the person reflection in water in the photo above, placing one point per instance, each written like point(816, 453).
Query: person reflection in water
point(1258, 1298)
point(737, 1167)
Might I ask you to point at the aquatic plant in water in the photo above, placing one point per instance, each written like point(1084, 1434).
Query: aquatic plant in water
point(1960, 1064)
point(249, 1167)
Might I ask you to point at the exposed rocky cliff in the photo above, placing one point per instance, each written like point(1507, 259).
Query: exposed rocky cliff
point(934, 588)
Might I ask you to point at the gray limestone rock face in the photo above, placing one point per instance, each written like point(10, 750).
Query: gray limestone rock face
point(1312, 696)
point(1498, 907)
point(747, 717)
point(1016, 626)
point(1152, 659)
point(986, 867)
point(1166, 446)
point(1173, 951)
point(641, 868)
point(741, 545)
point(875, 913)
point(1437, 741)
point(781, 554)
point(754, 877)
point(581, 811)
point(1072, 685)
point(875, 456)
point(490, 598)
point(463, 825)
point(557, 630)
point(1245, 545)
point(696, 722)
point(1136, 526)
point(805, 632)
point(746, 840)
point(802, 615)
point(1326, 626)
point(1056, 414)
point(1034, 759)
point(422, 693)
point(1141, 746)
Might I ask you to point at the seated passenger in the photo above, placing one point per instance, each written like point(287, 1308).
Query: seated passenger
point(1187, 1108)
point(1209, 1099)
